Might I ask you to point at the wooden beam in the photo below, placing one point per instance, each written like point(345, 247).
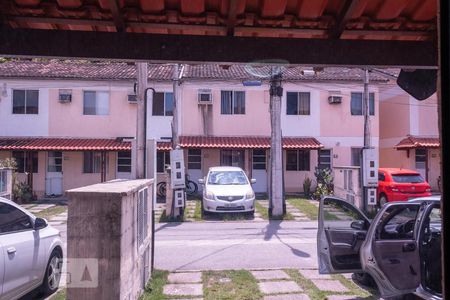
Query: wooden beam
point(343, 17)
point(193, 48)
point(117, 15)
point(232, 16)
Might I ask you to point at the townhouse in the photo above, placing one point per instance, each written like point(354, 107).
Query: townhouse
point(69, 124)
point(409, 134)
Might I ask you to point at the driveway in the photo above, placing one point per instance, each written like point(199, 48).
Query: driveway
point(235, 245)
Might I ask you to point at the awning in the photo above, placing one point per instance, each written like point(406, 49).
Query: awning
point(249, 142)
point(63, 144)
point(412, 142)
point(70, 144)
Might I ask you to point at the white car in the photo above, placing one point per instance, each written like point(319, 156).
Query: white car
point(227, 189)
point(30, 253)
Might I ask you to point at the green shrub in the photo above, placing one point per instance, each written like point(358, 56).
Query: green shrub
point(307, 186)
point(324, 179)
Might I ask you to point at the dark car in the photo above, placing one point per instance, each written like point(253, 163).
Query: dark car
point(400, 248)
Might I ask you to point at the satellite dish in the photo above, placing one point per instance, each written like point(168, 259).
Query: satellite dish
point(266, 68)
point(420, 84)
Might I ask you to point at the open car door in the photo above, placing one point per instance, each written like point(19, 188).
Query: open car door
point(390, 253)
point(342, 230)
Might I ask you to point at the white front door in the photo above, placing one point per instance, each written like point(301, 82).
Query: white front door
point(259, 170)
point(421, 162)
point(194, 166)
point(123, 165)
point(54, 179)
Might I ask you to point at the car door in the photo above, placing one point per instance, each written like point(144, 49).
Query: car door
point(390, 253)
point(342, 230)
point(2, 269)
point(20, 250)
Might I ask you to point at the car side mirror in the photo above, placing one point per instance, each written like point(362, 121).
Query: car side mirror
point(201, 181)
point(39, 223)
point(359, 225)
point(253, 181)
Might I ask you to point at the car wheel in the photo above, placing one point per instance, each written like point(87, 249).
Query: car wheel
point(52, 275)
point(383, 200)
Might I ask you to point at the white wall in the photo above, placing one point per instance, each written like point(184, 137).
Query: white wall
point(23, 124)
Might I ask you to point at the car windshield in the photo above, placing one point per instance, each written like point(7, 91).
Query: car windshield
point(407, 178)
point(227, 178)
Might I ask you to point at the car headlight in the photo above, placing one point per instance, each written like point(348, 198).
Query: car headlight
point(209, 195)
point(250, 195)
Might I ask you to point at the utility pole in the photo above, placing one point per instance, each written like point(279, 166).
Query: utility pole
point(366, 134)
point(175, 77)
point(276, 204)
point(142, 78)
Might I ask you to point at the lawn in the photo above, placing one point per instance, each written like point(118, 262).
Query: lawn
point(306, 207)
point(51, 212)
point(154, 289)
point(230, 285)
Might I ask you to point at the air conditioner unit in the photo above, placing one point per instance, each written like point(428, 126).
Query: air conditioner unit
point(132, 99)
point(335, 98)
point(205, 96)
point(65, 96)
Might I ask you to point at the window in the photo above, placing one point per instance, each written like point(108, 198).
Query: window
point(162, 104)
point(3, 181)
point(421, 158)
point(13, 219)
point(96, 103)
point(407, 178)
point(232, 103)
point(25, 102)
point(340, 214)
point(298, 103)
point(92, 162)
point(297, 160)
point(54, 163)
point(348, 180)
point(232, 158)
point(142, 216)
point(23, 160)
point(124, 161)
point(194, 159)
point(162, 159)
point(356, 157)
point(259, 159)
point(357, 107)
point(325, 159)
point(397, 223)
point(381, 177)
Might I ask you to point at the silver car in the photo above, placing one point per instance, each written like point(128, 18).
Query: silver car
point(30, 253)
point(227, 189)
point(400, 248)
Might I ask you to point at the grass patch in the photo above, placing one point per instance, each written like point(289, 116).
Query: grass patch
point(355, 289)
point(309, 209)
point(198, 211)
point(59, 295)
point(166, 219)
point(230, 285)
point(51, 211)
point(261, 210)
point(154, 289)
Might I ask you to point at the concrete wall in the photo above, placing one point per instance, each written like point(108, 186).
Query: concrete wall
point(102, 225)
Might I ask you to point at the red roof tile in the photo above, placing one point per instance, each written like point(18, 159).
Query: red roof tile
point(64, 144)
point(70, 144)
point(418, 142)
point(82, 70)
point(249, 142)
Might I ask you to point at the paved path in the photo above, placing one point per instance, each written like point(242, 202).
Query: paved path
point(235, 245)
point(273, 284)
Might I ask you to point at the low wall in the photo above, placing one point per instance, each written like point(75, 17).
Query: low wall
point(347, 184)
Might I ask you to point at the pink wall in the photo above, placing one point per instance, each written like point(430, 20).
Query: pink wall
point(336, 119)
point(428, 116)
point(255, 121)
point(394, 115)
point(67, 119)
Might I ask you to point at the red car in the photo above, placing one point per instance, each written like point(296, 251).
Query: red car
point(395, 184)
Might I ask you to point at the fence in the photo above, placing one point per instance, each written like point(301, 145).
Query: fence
point(347, 184)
